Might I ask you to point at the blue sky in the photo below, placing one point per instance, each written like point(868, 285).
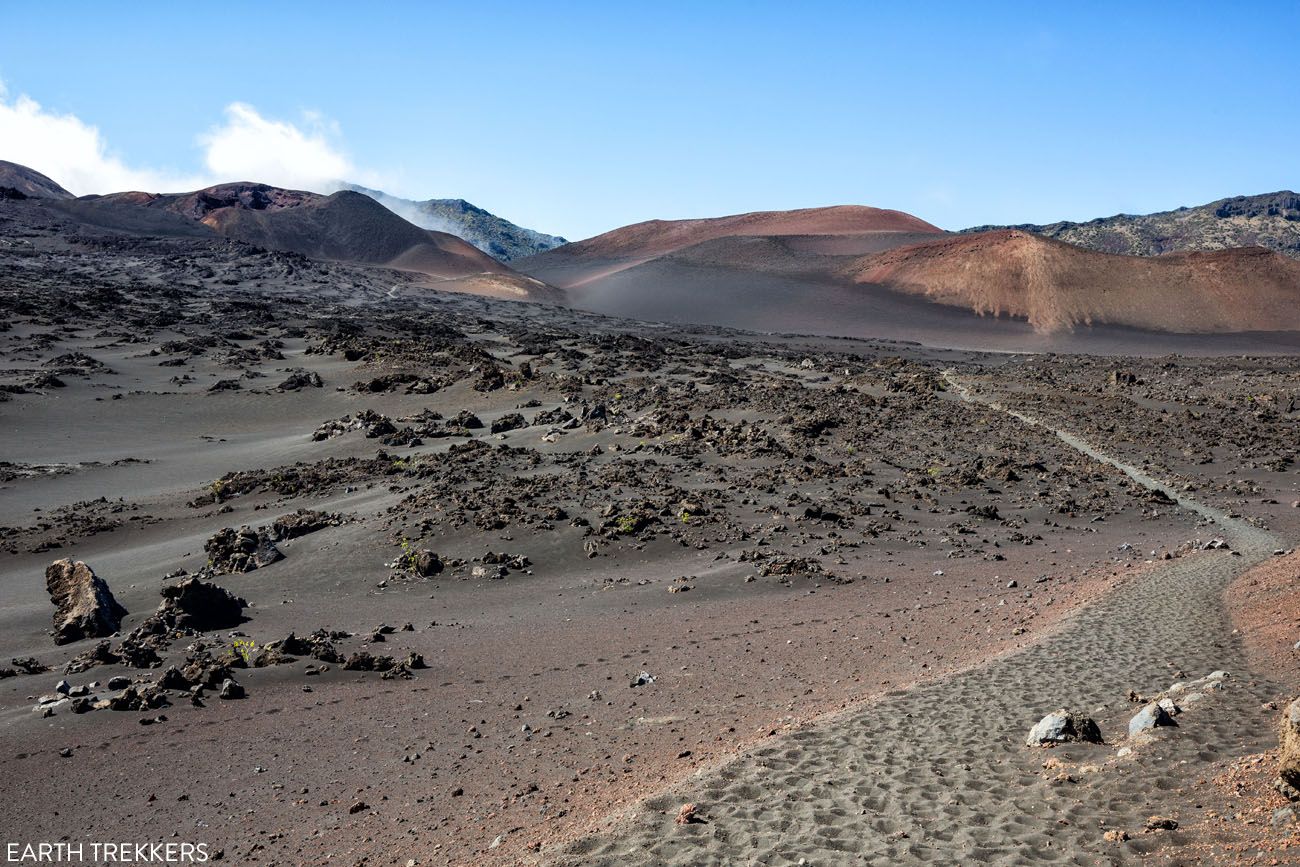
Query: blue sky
point(577, 118)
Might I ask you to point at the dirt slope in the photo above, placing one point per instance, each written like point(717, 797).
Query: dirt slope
point(656, 237)
point(1056, 286)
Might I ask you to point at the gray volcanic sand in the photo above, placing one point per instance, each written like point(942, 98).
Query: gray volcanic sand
point(734, 661)
point(939, 773)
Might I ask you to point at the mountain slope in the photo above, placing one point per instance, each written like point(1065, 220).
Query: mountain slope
point(496, 236)
point(30, 182)
point(867, 272)
point(657, 237)
point(1271, 220)
point(345, 227)
point(1057, 286)
point(838, 230)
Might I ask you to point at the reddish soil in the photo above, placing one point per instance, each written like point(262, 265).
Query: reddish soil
point(657, 237)
point(1056, 286)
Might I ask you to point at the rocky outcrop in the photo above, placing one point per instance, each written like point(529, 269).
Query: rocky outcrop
point(318, 645)
point(85, 605)
point(498, 237)
point(1270, 220)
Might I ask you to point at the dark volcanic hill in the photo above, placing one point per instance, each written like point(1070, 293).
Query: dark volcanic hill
point(344, 227)
point(30, 182)
point(1271, 220)
point(496, 236)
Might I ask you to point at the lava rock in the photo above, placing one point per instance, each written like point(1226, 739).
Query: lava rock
point(1062, 726)
point(100, 654)
point(466, 420)
point(1150, 717)
point(301, 379)
point(200, 605)
point(241, 550)
point(1289, 750)
point(171, 678)
point(509, 422)
point(85, 605)
point(300, 523)
point(231, 689)
point(426, 564)
point(317, 645)
point(363, 661)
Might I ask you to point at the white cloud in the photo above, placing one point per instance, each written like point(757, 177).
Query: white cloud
point(71, 152)
point(245, 146)
point(249, 147)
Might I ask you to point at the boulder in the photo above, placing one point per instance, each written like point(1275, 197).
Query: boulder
point(1288, 772)
point(508, 422)
point(426, 563)
point(1150, 717)
point(365, 661)
point(199, 605)
point(301, 379)
point(490, 379)
point(1061, 726)
point(85, 606)
point(26, 665)
point(465, 419)
point(241, 550)
point(300, 523)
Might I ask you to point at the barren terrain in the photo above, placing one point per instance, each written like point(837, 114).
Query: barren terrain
point(520, 580)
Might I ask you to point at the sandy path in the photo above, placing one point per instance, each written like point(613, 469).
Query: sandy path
point(939, 773)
